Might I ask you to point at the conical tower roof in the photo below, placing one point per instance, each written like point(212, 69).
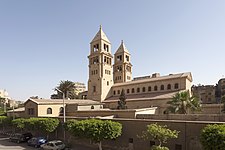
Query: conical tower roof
point(100, 36)
point(122, 48)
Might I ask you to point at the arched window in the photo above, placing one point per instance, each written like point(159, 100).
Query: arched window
point(169, 87)
point(155, 88)
point(143, 89)
point(176, 85)
point(128, 91)
point(49, 111)
point(149, 88)
point(132, 90)
point(118, 91)
point(114, 92)
point(162, 87)
point(92, 107)
point(138, 90)
point(61, 110)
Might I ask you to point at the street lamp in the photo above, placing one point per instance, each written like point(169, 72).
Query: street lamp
point(64, 112)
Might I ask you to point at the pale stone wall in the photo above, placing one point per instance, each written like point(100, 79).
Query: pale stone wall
point(183, 85)
point(188, 139)
point(42, 110)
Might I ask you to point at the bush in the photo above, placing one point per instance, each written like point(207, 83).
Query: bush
point(213, 137)
point(159, 148)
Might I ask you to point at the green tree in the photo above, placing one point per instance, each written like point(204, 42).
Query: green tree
point(212, 137)
point(95, 130)
point(182, 103)
point(158, 133)
point(5, 121)
point(47, 125)
point(67, 87)
point(19, 123)
point(122, 100)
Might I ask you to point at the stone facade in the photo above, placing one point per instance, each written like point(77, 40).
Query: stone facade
point(106, 80)
point(205, 93)
point(220, 89)
point(54, 108)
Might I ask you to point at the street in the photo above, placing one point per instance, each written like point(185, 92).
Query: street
point(6, 144)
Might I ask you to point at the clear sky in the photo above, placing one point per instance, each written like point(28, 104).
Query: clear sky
point(45, 41)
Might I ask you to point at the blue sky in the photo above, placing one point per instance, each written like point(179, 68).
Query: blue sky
point(45, 41)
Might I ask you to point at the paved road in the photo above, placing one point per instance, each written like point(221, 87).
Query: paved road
point(6, 145)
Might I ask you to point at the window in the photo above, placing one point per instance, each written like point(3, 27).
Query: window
point(30, 111)
point(128, 77)
point(169, 87)
point(176, 86)
point(94, 88)
point(155, 88)
point(61, 110)
point(138, 90)
point(92, 107)
point(132, 90)
point(143, 89)
point(127, 58)
point(107, 82)
point(114, 92)
point(149, 88)
point(128, 91)
point(96, 48)
point(49, 111)
point(162, 87)
point(119, 58)
point(118, 92)
point(106, 47)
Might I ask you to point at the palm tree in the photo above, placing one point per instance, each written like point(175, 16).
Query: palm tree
point(182, 103)
point(66, 87)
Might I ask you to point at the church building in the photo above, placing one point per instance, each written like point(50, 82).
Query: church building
point(107, 78)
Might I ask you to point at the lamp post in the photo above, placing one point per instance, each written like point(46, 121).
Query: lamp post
point(64, 112)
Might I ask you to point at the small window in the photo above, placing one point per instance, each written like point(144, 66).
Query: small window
point(49, 111)
point(131, 140)
point(155, 88)
point(114, 92)
point(138, 90)
point(149, 88)
point(30, 111)
point(94, 88)
point(162, 87)
point(61, 110)
point(176, 86)
point(128, 91)
point(143, 89)
point(132, 90)
point(107, 82)
point(127, 58)
point(169, 87)
point(118, 92)
point(92, 107)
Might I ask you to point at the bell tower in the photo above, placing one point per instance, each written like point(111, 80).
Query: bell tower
point(122, 68)
point(100, 67)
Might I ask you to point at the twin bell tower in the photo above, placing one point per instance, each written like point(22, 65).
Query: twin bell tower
point(103, 74)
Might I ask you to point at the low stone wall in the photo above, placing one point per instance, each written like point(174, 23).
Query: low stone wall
point(188, 117)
